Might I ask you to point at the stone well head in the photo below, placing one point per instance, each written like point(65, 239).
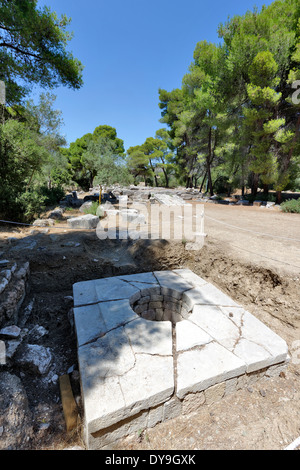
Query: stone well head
point(136, 373)
point(156, 304)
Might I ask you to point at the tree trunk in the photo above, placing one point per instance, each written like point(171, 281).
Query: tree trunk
point(208, 163)
point(189, 182)
point(91, 179)
point(278, 197)
point(209, 182)
point(266, 190)
point(153, 171)
point(203, 181)
point(254, 185)
point(167, 179)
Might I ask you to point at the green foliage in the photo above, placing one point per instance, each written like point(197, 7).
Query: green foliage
point(32, 204)
point(92, 209)
point(109, 134)
point(234, 112)
point(292, 205)
point(92, 152)
point(21, 157)
point(31, 170)
point(51, 196)
point(34, 201)
point(33, 49)
point(153, 160)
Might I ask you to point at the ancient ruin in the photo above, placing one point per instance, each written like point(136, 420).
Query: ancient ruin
point(155, 345)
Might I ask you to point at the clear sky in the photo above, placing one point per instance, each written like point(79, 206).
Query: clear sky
point(130, 49)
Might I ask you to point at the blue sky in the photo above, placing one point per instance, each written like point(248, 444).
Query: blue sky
point(130, 49)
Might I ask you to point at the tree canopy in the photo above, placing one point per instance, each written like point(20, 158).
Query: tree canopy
point(33, 49)
point(234, 117)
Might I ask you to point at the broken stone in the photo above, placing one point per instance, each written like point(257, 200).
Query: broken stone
point(37, 332)
point(86, 205)
point(27, 312)
point(23, 271)
point(43, 223)
point(11, 348)
point(88, 221)
point(189, 335)
point(3, 284)
point(57, 214)
point(27, 243)
point(15, 415)
point(37, 359)
point(7, 274)
point(199, 369)
point(3, 263)
point(70, 244)
point(10, 332)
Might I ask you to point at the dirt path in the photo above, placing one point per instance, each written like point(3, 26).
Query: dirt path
point(259, 418)
point(280, 254)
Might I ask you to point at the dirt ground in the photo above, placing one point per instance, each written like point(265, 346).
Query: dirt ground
point(260, 272)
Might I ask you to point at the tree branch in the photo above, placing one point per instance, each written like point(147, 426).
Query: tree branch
point(20, 51)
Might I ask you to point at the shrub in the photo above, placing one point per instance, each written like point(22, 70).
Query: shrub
point(32, 204)
point(52, 196)
point(292, 205)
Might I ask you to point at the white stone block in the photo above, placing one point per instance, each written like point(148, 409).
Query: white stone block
point(150, 337)
point(199, 369)
point(102, 290)
point(207, 295)
point(88, 221)
point(149, 383)
point(188, 335)
point(213, 321)
point(190, 277)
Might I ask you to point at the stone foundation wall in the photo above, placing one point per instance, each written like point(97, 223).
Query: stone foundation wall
point(108, 438)
point(14, 284)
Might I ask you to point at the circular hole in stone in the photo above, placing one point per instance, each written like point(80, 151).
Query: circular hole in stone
point(154, 305)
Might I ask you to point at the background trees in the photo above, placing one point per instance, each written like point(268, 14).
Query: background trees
point(152, 160)
point(233, 123)
point(91, 153)
point(33, 50)
point(234, 119)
